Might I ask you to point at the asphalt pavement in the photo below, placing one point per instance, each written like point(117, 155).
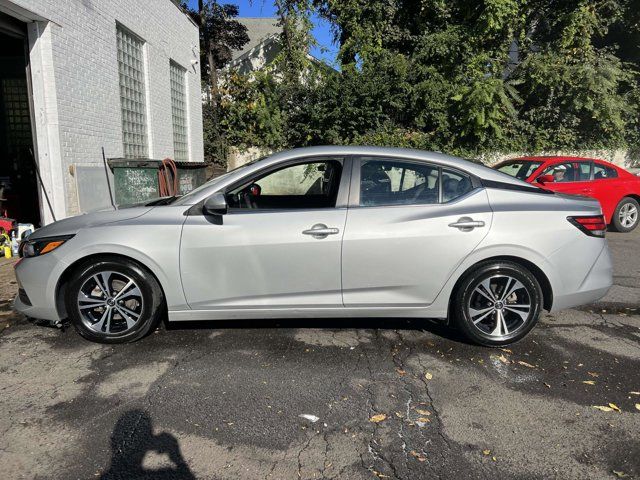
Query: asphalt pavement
point(341, 399)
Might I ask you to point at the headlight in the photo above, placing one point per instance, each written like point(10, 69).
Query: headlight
point(40, 246)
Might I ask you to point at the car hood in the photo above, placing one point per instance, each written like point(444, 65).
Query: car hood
point(71, 225)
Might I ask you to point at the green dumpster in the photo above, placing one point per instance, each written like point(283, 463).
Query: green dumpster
point(136, 180)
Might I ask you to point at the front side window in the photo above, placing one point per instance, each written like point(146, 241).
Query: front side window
point(562, 172)
point(132, 93)
point(306, 185)
point(520, 169)
point(600, 171)
point(178, 112)
point(396, 182)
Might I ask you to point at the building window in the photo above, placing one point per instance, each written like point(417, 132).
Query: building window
point(179, 112)
point(132, 94)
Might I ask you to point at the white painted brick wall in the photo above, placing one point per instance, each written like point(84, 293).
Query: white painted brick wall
point(83, 54)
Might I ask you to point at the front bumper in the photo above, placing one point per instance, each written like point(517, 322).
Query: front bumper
point(38, 278)
point(594, 286)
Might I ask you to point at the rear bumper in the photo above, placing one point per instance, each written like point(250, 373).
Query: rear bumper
point(594, 286)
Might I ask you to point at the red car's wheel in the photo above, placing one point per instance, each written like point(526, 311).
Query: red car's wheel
point(625, 217)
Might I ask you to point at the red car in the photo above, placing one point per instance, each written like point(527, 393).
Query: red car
point(617, 190)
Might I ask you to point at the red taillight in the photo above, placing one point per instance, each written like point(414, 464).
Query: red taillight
point(593, 225)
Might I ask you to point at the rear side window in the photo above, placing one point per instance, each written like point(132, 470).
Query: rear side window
point(394, 182)
point(397, 182)
point(600, 171)
point(454, 184)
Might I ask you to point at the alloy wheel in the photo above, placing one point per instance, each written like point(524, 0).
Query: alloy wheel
point(499, 306)
point(110, 303)
point(628, 215)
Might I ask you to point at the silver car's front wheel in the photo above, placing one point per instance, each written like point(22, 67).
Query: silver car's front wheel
point(113, 300)
point(497, 303)
point(110, 303)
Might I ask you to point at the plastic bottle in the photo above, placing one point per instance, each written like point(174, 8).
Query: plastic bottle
point(15, 244)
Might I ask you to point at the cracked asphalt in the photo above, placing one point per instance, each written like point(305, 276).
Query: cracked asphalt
point(393, 398)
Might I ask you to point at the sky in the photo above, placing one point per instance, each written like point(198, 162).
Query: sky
point(325, 48)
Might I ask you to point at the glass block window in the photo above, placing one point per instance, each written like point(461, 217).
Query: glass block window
point(16, 110)
point(132, 94)
point(179, 112)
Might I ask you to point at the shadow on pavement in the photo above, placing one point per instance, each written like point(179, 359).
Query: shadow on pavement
point(435, 326)
point(131, 439)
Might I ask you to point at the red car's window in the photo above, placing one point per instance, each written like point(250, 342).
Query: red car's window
point(519, 168)
point(600, 172)
point(562, 172)
point(584, 171)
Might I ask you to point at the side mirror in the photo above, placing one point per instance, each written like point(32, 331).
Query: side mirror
point(545, 179)
point(216, 204)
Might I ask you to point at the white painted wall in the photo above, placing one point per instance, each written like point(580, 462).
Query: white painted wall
point(74, 67)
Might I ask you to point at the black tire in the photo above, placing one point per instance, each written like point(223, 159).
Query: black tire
point(148, 305)
point(467, 297)
point(617, 221)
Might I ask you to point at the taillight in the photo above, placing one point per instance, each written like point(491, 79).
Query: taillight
point(593, 225)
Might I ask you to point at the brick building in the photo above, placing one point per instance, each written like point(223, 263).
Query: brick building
point(77, 76)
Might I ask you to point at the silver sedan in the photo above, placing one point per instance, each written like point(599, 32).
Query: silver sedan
point(325, 232)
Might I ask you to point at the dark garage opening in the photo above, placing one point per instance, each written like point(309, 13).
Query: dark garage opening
point(18, 181)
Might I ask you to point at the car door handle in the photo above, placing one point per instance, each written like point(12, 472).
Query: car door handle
point(320, 230)
point(466, 224)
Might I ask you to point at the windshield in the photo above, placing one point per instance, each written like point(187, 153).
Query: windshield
point(520, 169)
point(185, 199)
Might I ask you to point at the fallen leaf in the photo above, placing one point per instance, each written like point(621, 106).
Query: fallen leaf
point(423, 420)
point(380, 475)
point(401, 372)
point(614, 407)
point(423, 412)
point(506, 350)
point(525, 364)
point(494, 459)
point(503, 359)
point(378, 418)
point(593, 374)
point(486, 452)
point(603, 408)
point(428, 376)
point(418, 456)
point(619, 474)
point(589, 382)
point(637, 406)
point(399, 415)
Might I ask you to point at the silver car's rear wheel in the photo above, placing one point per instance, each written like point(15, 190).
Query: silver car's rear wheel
point(497, 302)
point(110, 303)
point(499, 306)
point(113, 300)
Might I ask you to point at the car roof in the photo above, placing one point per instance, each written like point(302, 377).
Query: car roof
point(472, 167)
